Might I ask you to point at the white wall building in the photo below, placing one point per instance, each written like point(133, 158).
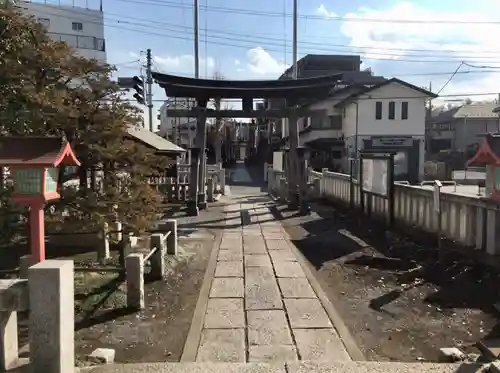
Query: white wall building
point(81, 28)
point(182, 128)
point(385, 117)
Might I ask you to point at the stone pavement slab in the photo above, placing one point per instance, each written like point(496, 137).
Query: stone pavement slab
point(267, 354)
point(227, 287)
point(288, 269)
point(268, 328)
point(223, 345)
point(256, 247)
point(261, 289)
point(224, 313)
point(277, 245)
point(320, 345)
point(296, 288)
point(230, 255)
point(282, 256)
point(257, 260)
point(229, 269)
point(306, 313)
point(261, 306)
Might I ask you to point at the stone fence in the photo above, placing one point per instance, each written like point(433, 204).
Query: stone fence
point(48, 295)
point(466, 219)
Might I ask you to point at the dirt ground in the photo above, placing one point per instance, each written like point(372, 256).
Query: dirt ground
point(399, 300)
point(102, 319)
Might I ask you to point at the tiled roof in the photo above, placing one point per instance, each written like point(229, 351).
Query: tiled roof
point(478, 111)
point(31, 150)
point(153, 140)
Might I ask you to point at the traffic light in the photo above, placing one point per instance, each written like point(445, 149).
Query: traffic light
point(139, 89)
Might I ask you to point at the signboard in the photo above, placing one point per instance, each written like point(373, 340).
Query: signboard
point(375, 176)
point(278, 161)
point(392, 141)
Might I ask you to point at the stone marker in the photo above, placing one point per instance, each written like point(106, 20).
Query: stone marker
point(24, 263)
point(52, 317)
point(157, 259)
point(172, 243)
point(450, 355)
point(103, 249)
point(134, 265)
point(104, 355)
point(210, 190)
point(9, 352)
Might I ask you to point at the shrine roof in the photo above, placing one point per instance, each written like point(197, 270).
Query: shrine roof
point(488, 152)
point(46, 151)
point(179, 86)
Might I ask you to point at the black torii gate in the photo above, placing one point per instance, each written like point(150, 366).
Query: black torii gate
point(203, 90)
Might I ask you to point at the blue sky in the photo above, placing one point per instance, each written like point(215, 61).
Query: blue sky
point(257, 45)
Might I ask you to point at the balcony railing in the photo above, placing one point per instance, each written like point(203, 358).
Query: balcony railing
point(80, 41)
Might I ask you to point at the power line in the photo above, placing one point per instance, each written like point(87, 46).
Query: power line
point(451, 77)
point(170, 4)
point(475, 94)
point(278, 42)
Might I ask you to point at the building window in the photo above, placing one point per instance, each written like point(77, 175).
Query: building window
point(392, 110)
point(77, 26)
point(404, 110)
point(378, 110)
point(45, 22)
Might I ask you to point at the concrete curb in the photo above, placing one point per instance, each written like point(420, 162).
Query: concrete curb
point(193, 339)
point(345, 335)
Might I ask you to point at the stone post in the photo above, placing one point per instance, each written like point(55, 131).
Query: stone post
point(193, 183)
point(52, 317)
point(222, 180)
point(302, 178)
point(117, 235)
point(172, 240)
point(201, 143)
point(157, 259)
point(493, 232)
point(9, 350)
point(210, 189)
point(103, 249)
point(25, 262)
point(293, 171)
point(134, 264)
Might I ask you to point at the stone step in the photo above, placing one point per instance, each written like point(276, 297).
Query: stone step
point(302, 367)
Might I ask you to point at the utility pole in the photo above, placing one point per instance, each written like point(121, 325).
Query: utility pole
point(294, 40)
point(196, 43)
point(149, 84)
point(295, 165)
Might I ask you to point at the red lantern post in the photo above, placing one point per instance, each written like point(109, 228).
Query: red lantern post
point(34, 165)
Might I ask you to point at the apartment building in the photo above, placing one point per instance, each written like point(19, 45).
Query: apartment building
point(80, 27)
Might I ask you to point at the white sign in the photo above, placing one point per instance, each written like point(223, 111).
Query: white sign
point(278, 161)
point(392, 141)
point(375, 176)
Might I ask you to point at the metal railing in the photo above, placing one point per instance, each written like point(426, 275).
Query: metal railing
point(80, 41)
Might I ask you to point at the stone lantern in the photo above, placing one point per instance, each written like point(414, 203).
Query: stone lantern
point(34, 167)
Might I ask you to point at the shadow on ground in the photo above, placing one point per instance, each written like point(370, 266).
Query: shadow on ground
point(393, 286)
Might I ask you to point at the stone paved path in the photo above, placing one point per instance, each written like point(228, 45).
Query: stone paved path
point(261, 306)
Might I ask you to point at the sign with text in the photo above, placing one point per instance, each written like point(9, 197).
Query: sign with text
point(375, 176)
point(392, 141)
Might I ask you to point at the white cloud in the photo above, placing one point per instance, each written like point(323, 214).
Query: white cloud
point(388, 40)
point(324, 12)
point(237, 62)
point(183, 64)
point(261, 62)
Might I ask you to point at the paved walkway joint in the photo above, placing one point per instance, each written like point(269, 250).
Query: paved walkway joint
point(261, 306)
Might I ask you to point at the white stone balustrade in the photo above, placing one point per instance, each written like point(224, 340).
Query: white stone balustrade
point(470, 220)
